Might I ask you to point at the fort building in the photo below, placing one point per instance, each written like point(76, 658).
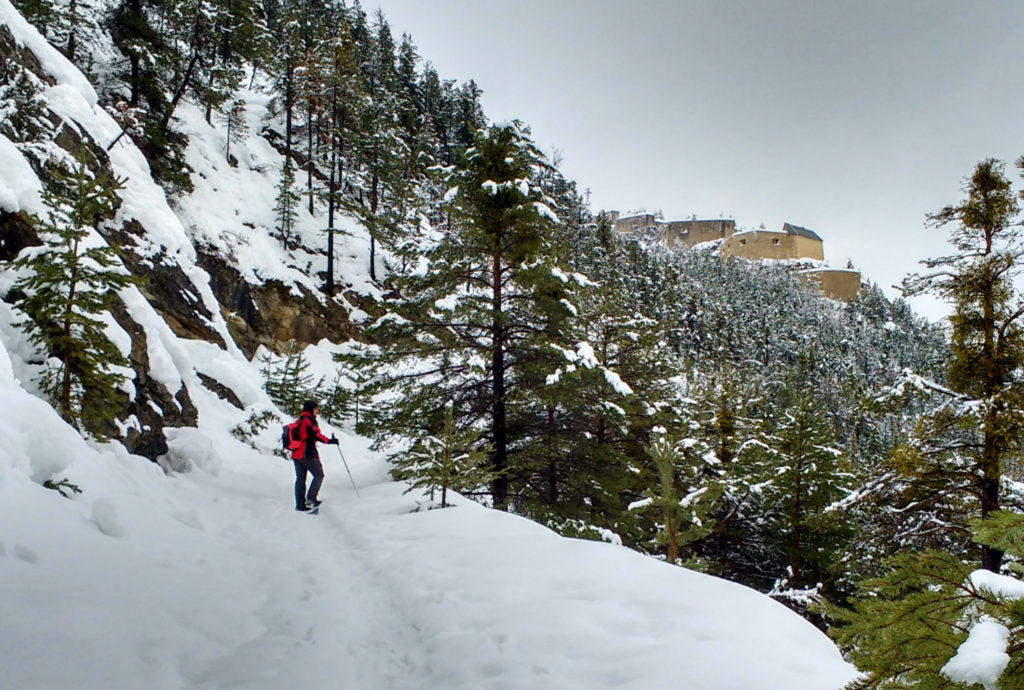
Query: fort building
point(676, 233)
point(838, 283)
point(792, 243)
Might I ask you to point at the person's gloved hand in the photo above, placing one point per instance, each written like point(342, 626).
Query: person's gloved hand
point(334, 441)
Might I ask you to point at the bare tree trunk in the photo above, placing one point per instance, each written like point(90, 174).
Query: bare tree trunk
point(499, 455)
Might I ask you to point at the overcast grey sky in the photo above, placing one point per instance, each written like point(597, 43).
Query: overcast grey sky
point(853, 118)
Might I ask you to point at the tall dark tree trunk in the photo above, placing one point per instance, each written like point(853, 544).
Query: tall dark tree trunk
point(179, 92)
point(552, 461)
point(374, 202)
point(72, 44)
point(499, 429)
point(330, 221)
point(992, 445)
point(309, 162)
point(795, 561)
point(991, 558)
point(65, 385)
point(288, 103)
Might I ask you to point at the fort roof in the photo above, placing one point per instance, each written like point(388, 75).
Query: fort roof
point(797, 230)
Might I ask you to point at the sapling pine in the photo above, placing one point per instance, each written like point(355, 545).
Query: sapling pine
point(69, 283)
point(453, 459)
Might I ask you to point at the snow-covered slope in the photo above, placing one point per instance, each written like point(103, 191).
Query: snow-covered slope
point(196, 573)
point(208, 579)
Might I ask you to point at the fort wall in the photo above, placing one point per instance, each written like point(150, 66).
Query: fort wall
point(837, 283)
point(688, 233)
point(765, 244)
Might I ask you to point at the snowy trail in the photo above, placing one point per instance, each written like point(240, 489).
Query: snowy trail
point(323, 613)
point(373, 593)
point(209, 580)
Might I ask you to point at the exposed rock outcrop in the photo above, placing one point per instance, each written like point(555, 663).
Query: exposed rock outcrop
point(273, 314)
point(167, 288)
point(16, 233)
point(153, 406)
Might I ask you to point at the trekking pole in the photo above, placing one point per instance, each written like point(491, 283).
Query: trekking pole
point(348, 470)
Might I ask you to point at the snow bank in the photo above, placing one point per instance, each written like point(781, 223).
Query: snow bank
point(19, 186)
point(51, 59)
point(208, 579)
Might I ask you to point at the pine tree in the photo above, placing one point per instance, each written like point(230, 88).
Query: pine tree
point(380, 187)
point(67, 25)
point(69, 284)
point(23, 114)
point(287, 379)
point(237, 128)
point(799, 474)
point(342, 96)
point(452, 459)
point(39, 13)
point(478, 310)
point(905, 628)
point(976, 429)
point(665, 456)
point(286, 205)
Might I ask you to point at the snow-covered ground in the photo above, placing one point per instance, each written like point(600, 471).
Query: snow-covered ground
point(209, 579)
point(197, 573)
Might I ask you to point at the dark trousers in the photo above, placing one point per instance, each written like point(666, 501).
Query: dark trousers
point(313, 467)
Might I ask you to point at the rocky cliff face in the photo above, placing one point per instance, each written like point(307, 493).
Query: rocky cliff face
point(273, 314)
point(190, 291)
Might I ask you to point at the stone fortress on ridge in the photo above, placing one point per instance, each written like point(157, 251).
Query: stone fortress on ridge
point(803, 247)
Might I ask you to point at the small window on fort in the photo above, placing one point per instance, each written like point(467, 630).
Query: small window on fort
point(775, 241)
point(742, 242)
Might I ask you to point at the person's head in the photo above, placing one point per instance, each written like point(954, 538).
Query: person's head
point(310, 406)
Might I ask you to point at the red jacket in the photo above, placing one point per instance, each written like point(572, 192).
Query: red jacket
point(309, 432)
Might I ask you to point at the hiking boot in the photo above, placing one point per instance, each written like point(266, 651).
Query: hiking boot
point(302, 509)
point(313, 503)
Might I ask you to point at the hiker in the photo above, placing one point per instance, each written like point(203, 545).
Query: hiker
point(307, 458)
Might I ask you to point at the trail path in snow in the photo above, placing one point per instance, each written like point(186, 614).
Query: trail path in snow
point(374, 594)
point(323, 613)
point(209, 580)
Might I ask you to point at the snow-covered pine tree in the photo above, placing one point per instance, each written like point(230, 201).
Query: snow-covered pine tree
point(906, 627)
point(23, 112)
point(479, 308)
point(964, 445)
point(237, 128)
point(39, 13)
point(69, 284)
point(287, 380)
point(380, 188)
point(286, 205)
point(147, 70)
point(69, 25)
point(664, 453)
point(799, 474)
point(907, 624)
point(453, 458)
point(335, 57)
point(612, 369)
